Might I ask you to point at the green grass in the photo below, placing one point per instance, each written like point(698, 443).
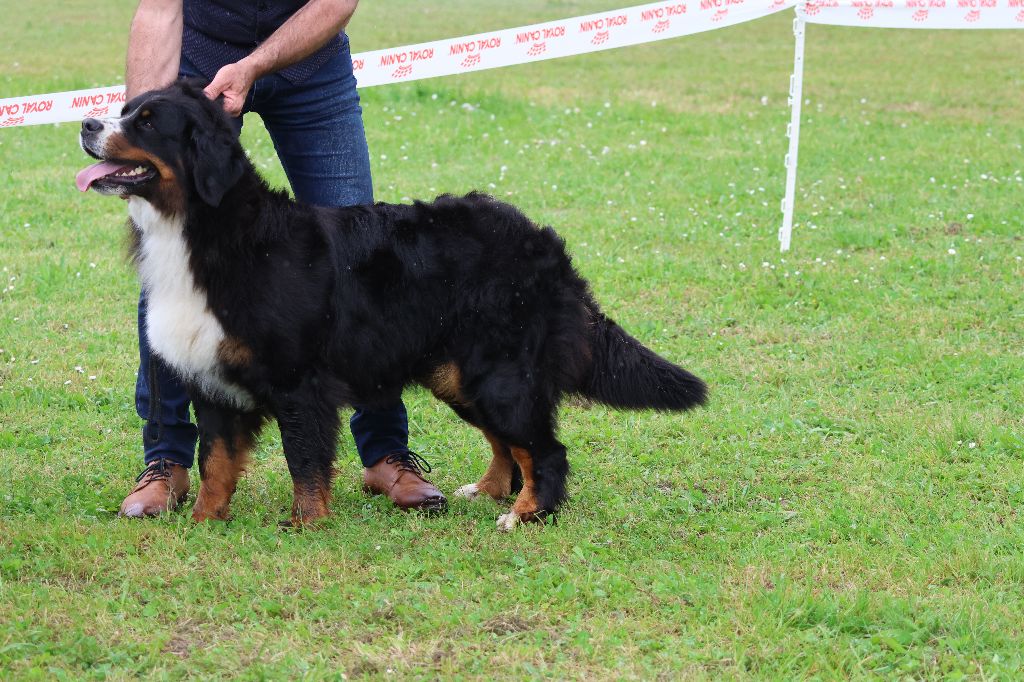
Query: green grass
point(850, 503)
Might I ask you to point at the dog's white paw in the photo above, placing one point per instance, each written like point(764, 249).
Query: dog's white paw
point(509, 521)
point(469, 491)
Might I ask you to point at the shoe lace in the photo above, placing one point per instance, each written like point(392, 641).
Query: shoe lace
point(159, 469)
point(409, 461)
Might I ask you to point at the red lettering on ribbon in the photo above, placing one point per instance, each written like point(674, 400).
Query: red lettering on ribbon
point(38, 106)
point(87, 101)
point(393, 58)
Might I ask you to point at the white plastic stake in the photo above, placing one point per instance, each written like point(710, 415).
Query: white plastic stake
point(796, 90)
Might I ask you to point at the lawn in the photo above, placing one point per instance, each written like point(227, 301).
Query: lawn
point(849, 504)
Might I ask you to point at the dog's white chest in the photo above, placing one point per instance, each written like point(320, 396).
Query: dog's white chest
point(179, 325)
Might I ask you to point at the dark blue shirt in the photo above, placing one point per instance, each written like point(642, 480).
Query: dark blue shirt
point(219, 32)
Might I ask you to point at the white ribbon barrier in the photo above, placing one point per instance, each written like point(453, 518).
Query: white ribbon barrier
point(534, 43)
point(579, 35)
point(953, 14)
point(915, 13)
point(60, 106)
point(593, 33)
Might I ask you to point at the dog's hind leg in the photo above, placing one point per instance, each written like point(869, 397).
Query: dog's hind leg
point(225, 440)
point(514, 405)
point(309, 433)
point(502, 475)
point(544, 471)
point(523, 423)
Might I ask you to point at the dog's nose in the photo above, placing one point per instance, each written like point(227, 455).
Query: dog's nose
point(91, 125)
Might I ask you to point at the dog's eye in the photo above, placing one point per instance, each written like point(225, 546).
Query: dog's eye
point(145, 123)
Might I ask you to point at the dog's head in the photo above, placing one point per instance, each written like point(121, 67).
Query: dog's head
point(169, 147)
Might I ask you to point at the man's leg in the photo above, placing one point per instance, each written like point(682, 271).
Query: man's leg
point(168, 436)
point(317, 129)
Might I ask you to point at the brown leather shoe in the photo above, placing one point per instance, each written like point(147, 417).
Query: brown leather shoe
point(400, 477)
point(160, 487)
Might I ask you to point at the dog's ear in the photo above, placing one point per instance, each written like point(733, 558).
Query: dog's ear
point(216, 161)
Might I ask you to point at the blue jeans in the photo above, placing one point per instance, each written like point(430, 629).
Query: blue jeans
point(317, 130)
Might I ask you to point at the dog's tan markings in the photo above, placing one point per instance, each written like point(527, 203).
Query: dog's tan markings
point(311, 502)
point(445, 382)
point(220, 471)
point(525, 507)
point(234, 353)
point(119, 148)
point(497, 480)
point(171, 199)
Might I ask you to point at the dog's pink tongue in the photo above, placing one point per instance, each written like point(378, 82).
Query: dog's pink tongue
point(87, 176)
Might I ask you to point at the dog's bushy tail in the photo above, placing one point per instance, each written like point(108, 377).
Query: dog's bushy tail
point(624, 373)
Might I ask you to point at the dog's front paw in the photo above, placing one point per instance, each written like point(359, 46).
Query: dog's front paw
point(212, 504)
point(301, 523)
point(200, 514)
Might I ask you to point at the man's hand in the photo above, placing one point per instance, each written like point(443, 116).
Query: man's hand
point(233, 81)
point(304, 33)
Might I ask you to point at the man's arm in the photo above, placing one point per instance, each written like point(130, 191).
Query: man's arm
point(304, 33)
point(154, 46)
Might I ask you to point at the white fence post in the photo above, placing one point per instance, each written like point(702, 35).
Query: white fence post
point(796, 89)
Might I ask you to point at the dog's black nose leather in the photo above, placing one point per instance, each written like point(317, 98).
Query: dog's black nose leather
point(91, 125)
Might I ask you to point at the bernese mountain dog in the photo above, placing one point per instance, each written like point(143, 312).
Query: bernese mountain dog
point(270, 308)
